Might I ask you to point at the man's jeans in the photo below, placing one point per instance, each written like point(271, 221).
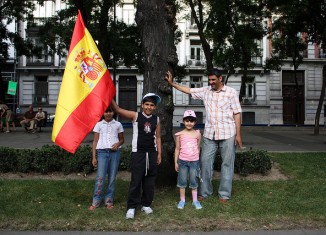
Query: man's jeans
point(208, 154)
point(107, 163)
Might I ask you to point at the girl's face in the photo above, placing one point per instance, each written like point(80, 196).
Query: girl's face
point(148, 107)
point(108, 116)
point(189, 123)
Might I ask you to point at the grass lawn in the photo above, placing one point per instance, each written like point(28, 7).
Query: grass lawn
point(297, 203)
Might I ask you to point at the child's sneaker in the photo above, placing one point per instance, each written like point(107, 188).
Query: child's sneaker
point(197, 205)
point(181, 204)
point(147, 210)
point(130, 213)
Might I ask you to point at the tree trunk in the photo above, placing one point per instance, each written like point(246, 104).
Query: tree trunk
point(156, 22)
point(320, 103)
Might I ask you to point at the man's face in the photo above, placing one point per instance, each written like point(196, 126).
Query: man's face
point(215, 82)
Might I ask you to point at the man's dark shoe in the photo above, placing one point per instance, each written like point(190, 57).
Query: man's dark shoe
point(200, 198)
point(223, 200)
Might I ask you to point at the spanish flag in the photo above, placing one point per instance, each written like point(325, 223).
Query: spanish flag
point(86, 90)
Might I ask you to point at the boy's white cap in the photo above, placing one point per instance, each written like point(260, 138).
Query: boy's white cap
point(189, 113)
point(153, 96)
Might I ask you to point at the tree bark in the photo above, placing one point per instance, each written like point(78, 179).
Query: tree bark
point(156, 22)
point(320, 103)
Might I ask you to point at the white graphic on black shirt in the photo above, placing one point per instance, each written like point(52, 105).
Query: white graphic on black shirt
point(147, 127)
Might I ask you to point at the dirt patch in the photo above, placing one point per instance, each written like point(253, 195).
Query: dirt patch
point(274, 174)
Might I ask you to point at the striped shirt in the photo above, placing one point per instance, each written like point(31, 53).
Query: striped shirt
point(220, 107)
point(109, 132)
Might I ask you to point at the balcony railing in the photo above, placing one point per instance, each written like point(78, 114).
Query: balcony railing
point(40, 60)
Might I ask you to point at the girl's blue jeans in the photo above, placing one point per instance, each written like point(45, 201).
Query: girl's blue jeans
point(209, 149)
point(107, 164)
point(188, 170)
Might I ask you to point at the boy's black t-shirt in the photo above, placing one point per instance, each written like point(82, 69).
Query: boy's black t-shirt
point(145, 134)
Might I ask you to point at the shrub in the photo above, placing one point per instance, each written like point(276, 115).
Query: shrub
point(125, 158)
point(8, 158)
point(24, 161)
point(52, 158)
point(253, 161)
point(248, 162)
point(81, 161)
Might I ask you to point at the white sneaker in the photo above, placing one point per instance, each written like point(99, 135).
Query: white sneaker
point(130, 214)
point(147, 210)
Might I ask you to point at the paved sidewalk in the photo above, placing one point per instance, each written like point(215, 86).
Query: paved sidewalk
point(273, 138)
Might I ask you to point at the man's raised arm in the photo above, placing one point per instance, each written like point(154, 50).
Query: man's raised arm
point(169, 79)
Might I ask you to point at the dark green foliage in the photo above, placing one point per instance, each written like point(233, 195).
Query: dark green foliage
point(249, 162)
point(8, 159)
point(125, 157)
point(24, 161)
point(51, 158)
point(81, 161)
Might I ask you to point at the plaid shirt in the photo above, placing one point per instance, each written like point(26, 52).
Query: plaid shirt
point(220, 107)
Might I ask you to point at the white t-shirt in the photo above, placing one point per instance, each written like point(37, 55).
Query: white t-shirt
point(109, 132)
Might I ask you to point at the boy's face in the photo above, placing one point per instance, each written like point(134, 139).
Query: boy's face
point(148, 107)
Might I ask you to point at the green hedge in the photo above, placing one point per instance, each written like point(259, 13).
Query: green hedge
point(248, 162)
point(51, 158)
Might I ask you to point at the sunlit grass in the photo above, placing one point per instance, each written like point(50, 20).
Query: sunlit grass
point(282, 204)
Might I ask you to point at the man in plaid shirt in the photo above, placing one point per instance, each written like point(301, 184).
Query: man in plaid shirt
point(222, 131)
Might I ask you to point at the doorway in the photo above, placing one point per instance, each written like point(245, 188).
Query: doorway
point(127, 94)
point(293, 97)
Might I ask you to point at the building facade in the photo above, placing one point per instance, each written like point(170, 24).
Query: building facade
point(269, 98)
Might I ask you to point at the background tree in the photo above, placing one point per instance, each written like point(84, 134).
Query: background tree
point(314, 19)
point(229, 31)
point(156, 22)
point(199, 13)
point(109, 32)
point(236, 29)
point(12, 11)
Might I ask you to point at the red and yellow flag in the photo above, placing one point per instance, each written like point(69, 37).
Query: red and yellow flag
point(86, 90)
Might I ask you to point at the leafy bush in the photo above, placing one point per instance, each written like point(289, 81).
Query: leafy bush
point(81, 161)
point(8, 158)
point(24, 161)
point(51, 158)
point(125, 158)
point(248, 162)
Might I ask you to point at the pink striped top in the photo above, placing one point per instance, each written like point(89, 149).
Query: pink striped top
point(220, 107)
point(189, 150)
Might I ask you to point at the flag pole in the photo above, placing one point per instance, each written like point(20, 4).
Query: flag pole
point(80, 6)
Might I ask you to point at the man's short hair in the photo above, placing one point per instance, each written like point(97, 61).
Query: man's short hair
point(214, 71)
